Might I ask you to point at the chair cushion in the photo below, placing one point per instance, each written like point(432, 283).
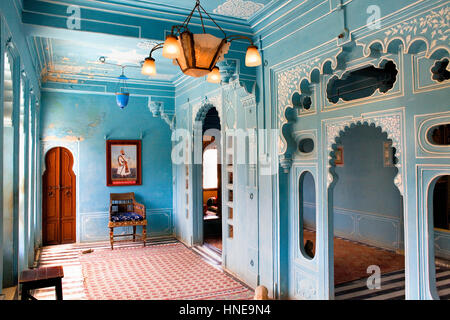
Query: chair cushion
point(126, 216)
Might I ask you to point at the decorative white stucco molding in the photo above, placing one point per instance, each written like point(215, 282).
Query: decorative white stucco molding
point(288, 81)
point(238, 8)
point(305, 287)
point(215, 100)
point(158, 110)
point(72, 146)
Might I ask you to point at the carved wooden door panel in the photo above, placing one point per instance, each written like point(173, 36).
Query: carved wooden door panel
point(58, 203)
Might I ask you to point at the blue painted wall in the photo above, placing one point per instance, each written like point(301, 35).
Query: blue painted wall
point(81, 122)
point(301, 50)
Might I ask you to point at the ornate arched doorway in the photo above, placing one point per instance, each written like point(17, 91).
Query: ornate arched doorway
point(58, 198)
point(367, 216)
point(390, 124)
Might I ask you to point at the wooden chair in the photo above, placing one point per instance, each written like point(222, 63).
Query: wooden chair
point(124, 211)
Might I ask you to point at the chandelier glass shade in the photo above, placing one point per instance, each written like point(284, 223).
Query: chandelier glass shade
point(252, 57)
point(198, 54)
point(214, 76)
point(171, 48)
point(149, 67)
point(122, 94)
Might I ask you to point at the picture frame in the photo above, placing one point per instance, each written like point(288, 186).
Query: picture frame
point(123, 163)
point(388, 154)
point(339, 156)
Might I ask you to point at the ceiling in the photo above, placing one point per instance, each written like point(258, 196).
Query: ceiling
point(243, 9)
point(74, 58)
point(60, 60)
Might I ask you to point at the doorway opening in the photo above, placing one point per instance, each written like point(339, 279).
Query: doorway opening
point(212, 182)
point(367, 219)
point(440, 198)
point(58, 198)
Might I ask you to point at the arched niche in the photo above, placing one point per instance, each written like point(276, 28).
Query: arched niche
point(438, 220)
point(307, 212)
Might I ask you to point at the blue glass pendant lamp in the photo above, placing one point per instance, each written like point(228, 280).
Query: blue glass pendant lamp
point(122, 94)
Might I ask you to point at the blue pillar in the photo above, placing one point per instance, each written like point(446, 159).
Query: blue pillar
point(23, 178)
point(16, 182)
point(38, 214)
point(32, 180)
point(2, 65)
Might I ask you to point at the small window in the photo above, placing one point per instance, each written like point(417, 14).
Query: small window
point(210, 169)
point(307, 214)
point(230, 231)
point(362, 82)
point(230, 213)
point(439, 135)
point(230, 195)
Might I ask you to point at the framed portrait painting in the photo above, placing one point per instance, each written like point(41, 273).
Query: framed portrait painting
point(123, 162)
point(339, 156)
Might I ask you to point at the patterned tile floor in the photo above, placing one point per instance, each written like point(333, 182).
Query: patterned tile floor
point(74, 285)
point(68, 256)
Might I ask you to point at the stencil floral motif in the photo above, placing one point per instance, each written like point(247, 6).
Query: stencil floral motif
point(288, 80)
point(436, 24)
point(239, 8)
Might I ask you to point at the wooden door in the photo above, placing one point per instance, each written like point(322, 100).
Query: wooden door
point(58, 203)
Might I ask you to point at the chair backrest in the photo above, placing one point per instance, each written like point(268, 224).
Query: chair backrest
point(121, 202)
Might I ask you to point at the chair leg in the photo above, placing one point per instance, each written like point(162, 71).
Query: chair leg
point(111, 237)
point(134, 233)
point(144, 234)
point(58, 289)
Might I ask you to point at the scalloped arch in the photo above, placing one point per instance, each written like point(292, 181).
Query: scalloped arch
point(391, 124)
point(395, 45)
point(417, 45)
point(440, 53)
point(376, 45)
point(328, 66)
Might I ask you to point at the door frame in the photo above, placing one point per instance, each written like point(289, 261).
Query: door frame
point(73, 147)
point(197, 175)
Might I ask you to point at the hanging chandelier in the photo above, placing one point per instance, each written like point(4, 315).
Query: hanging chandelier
point(197, 55)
